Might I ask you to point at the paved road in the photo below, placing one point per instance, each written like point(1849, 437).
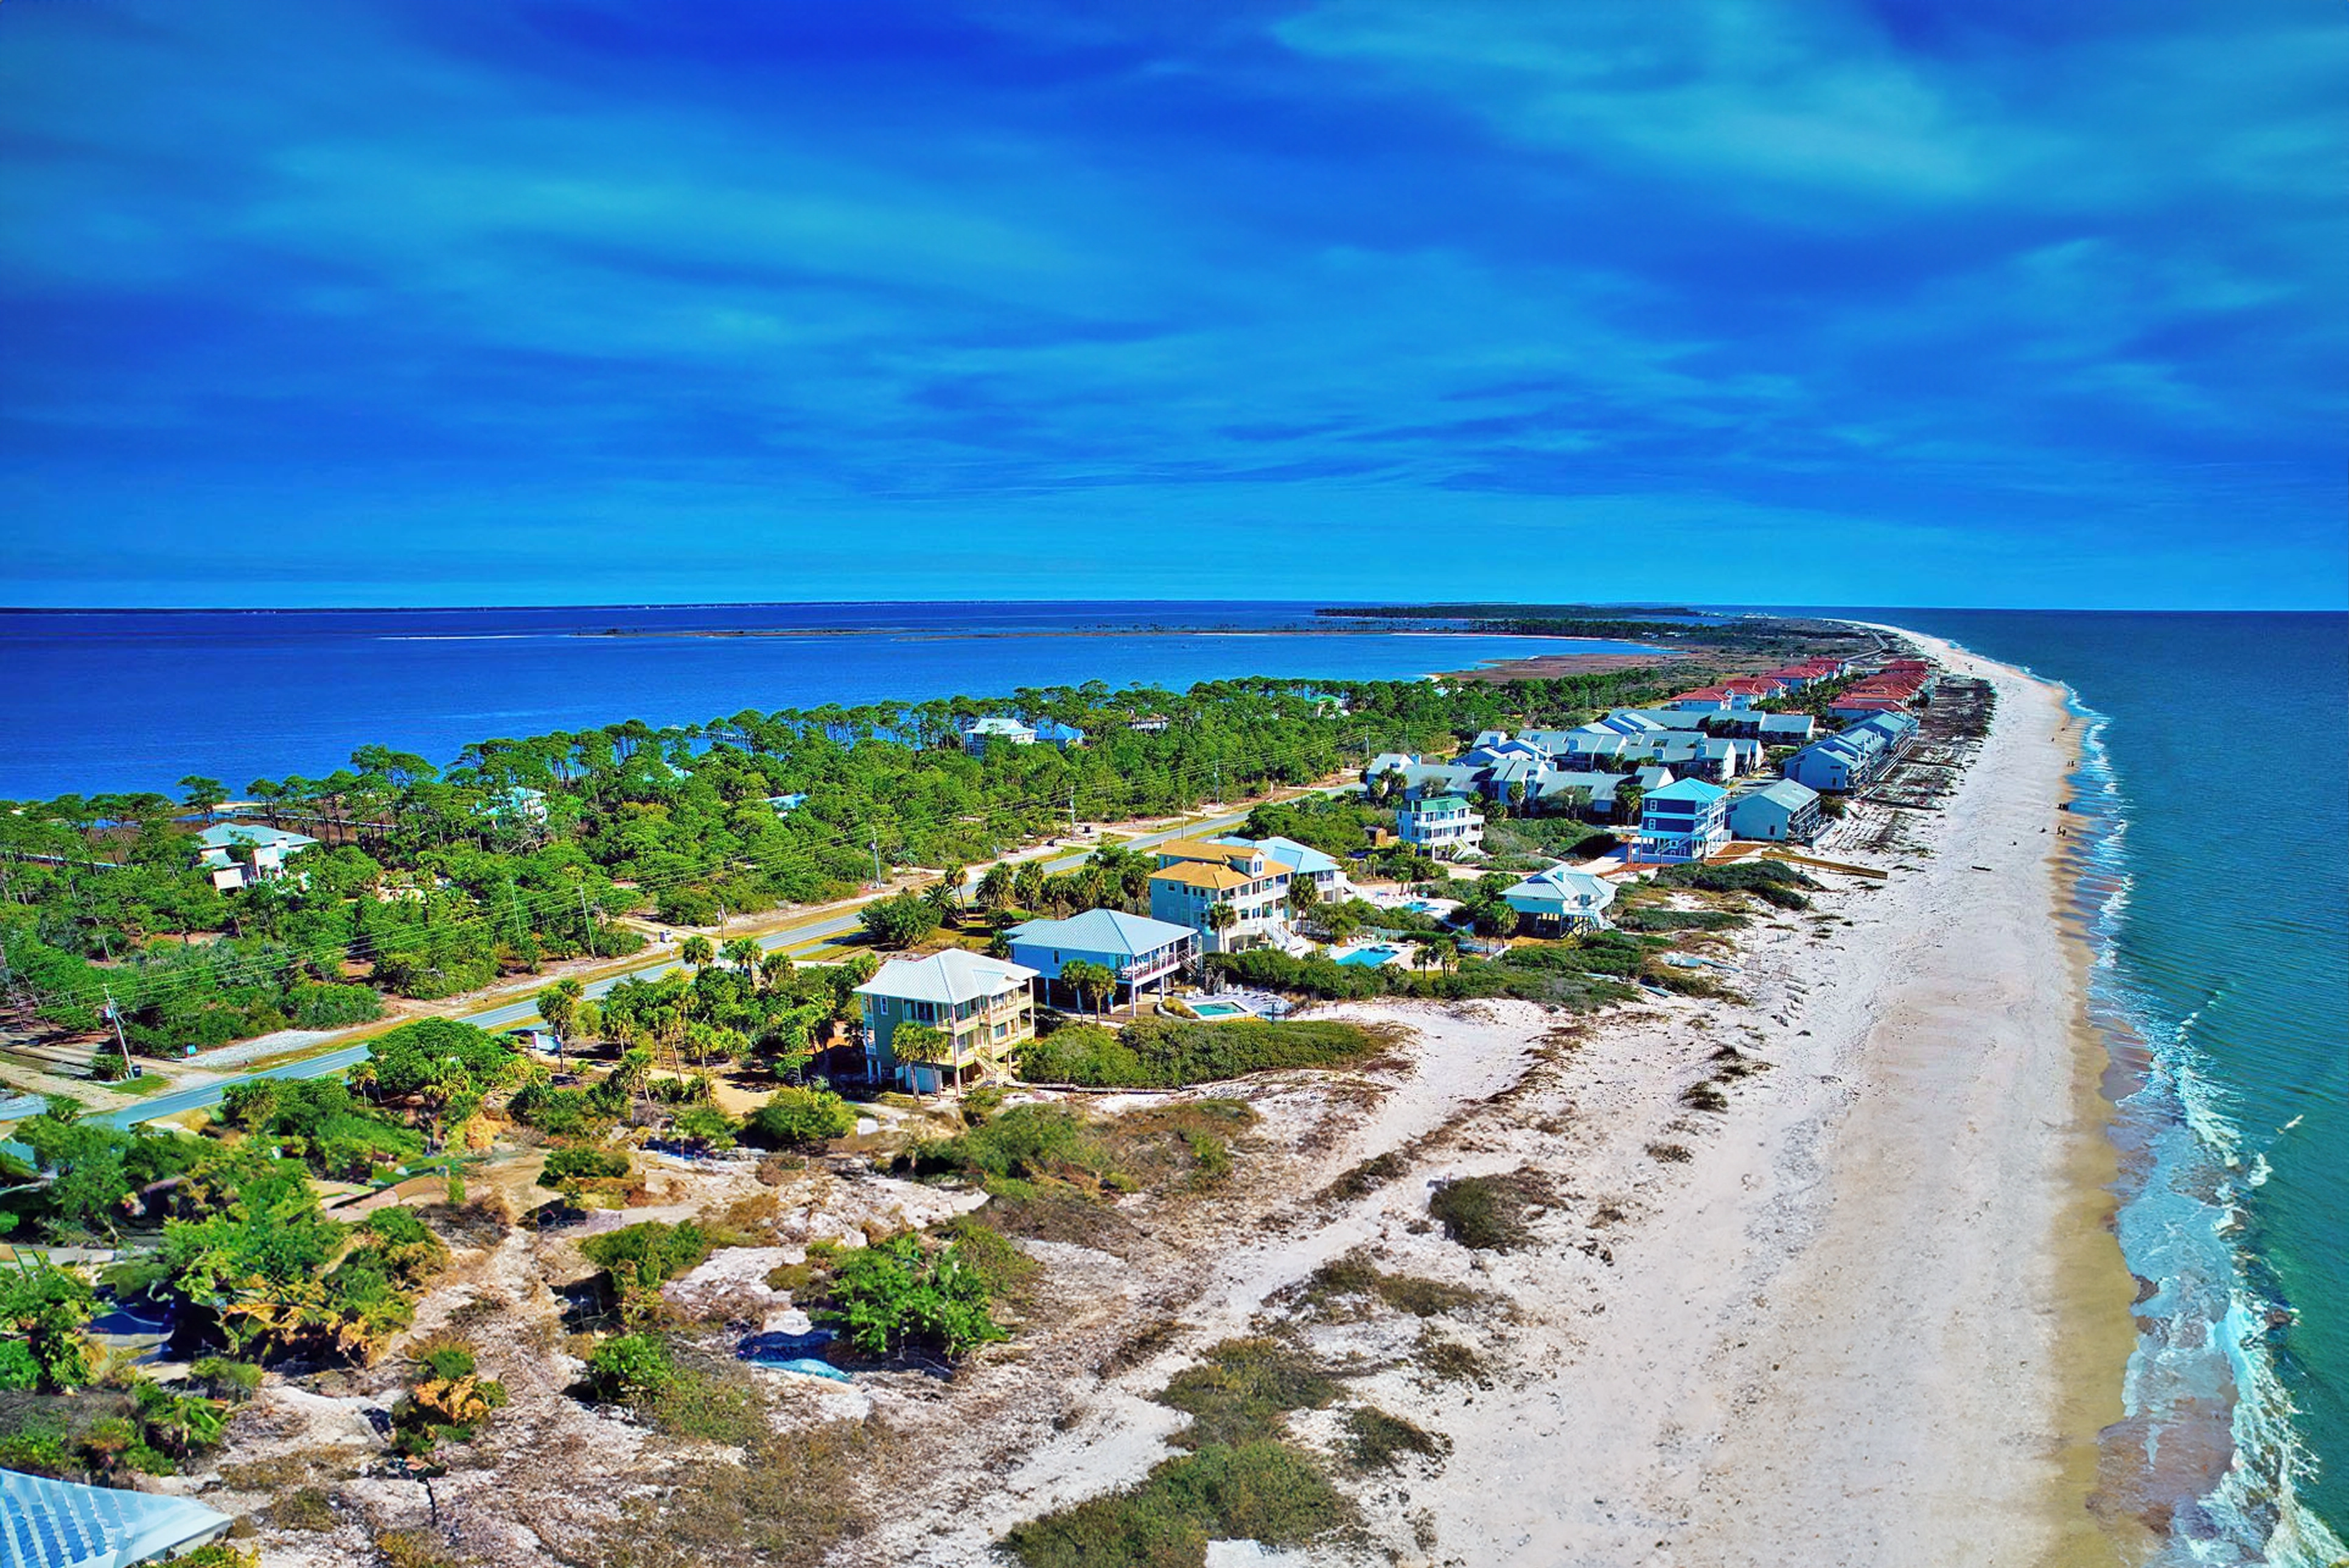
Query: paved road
point(173, 1102)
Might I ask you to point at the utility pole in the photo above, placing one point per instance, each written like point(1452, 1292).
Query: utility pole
point(114, 1016)
point(876, 860)
point(587, 921)
point(1072, 813)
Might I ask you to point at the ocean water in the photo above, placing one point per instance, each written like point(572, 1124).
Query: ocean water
point(138, 700)
point(2214, 793)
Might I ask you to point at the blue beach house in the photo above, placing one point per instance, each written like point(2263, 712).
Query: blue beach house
point(1140, 951)
point(1559, 901)
point(1784, 812)
point(1687, 819)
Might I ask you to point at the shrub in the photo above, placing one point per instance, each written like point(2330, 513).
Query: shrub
point(631, 1367)
point(796, 1117)
point(324, 1007)
point(576, 1169)
point(226, 1379)
point(1243, 1389)
point(1261, 1491)
point(17, 1367)
point(1375, 1438)
point(1487, 1213)
point(705, 1127)
point(447, 1399)
point(894, 1293)
point(643, 1257)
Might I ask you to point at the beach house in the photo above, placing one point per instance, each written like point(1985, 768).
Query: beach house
point(1687, 819)
point(1559, 901)
point(994, 730)
point(1230, 895)
point(1855, 755)
point(1784, 812)
point(980, 1004)
point(239, 854)
point(1053, 732)
point(1299, 863)
point(1141, 953)
point(1444, 826)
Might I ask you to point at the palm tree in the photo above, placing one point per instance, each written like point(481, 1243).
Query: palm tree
point(774, 970)
point(558, 1004)
point(1091, 982)
point(744, 953)
point(696, 950)
point(1221, 917)
point(996, 887)
point(952, 878)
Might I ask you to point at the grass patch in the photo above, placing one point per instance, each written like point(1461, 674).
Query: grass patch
point(795, 1497)
point(1704, 1095)
point(1488, 1213)
point(1366, 1178)
point(722, 1407)
point(1443, 1360)
point(1375, 1439)
point(1775, 883)
point(1354, 1277)
point(1256, 1491)
point(1242, 1391)
point(1172, 1053)
point(1663, 920)
point(307, 1509)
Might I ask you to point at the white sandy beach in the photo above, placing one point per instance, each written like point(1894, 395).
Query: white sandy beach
point(1873, 1320)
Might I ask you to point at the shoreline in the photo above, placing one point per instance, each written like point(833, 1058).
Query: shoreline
point(1873, 1313)
point(2093, 1285)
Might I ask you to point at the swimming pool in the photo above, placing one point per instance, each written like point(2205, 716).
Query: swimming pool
point(1369, 957)
point(1219, 1010)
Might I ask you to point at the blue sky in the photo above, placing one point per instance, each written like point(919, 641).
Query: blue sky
point(430, 301)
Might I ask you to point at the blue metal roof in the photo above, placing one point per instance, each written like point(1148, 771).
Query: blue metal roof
point(47, 1524)
point(1099, 931)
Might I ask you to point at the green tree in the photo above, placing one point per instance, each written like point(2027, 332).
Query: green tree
point(892, 1294)
point(899, 920)
point(558, 1004)
point(203, 794)
point(1092, 983)
point(695, 951)
point(45, 1308)
point(922, 1043)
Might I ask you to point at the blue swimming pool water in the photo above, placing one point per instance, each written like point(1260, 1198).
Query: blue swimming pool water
point(1369, 957)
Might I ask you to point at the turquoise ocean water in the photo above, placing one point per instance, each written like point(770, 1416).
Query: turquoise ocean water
point(2215, 789)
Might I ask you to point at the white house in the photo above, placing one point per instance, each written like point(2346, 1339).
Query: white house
point(978, 734)
point(1560, 900)
point(239, 854)
point(1444, 826)
point(1139, 951)
point(1687, 819)
point(980, 1004)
